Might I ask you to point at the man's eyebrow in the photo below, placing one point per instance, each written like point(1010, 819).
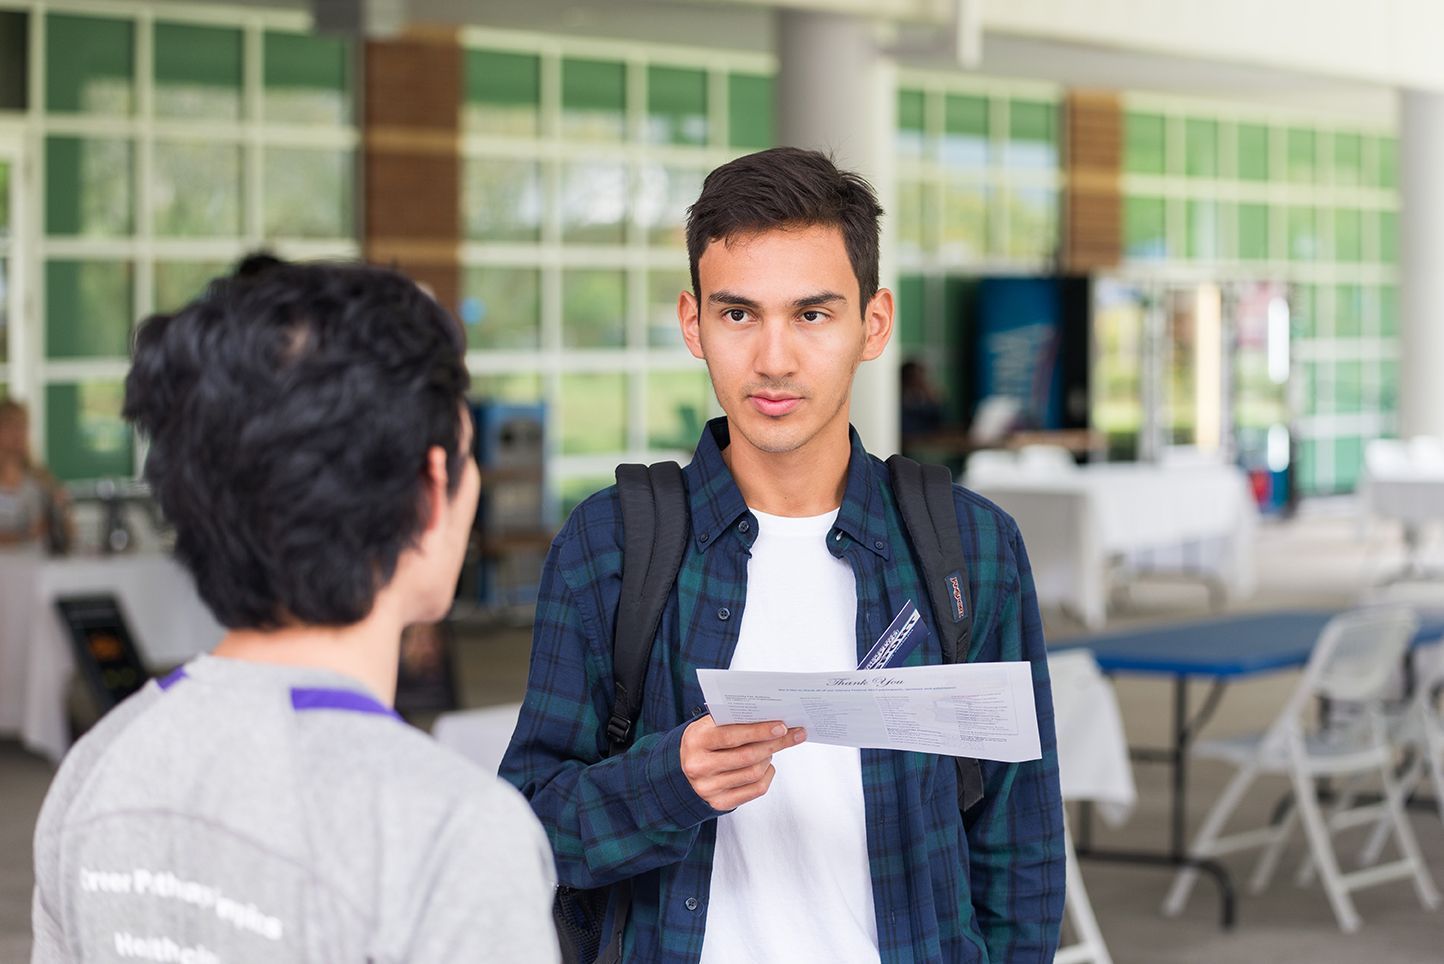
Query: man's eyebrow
point(821, 298)
point(729, 298)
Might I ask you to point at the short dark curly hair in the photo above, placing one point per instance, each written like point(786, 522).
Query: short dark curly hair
point(787, 187)
point(289, 416)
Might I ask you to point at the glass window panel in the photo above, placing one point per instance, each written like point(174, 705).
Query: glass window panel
point(1348, 235)
point(1389, 385)
point(1349, 387)
point(501, 308)
point(503, 93)
point(307, 79)
point(594, 95)
point(1301, 155)
point(197, 190)
point(1318, 386)
point(1200, 138)
point(89, 65)
point(4, 318)
point(1143, 143)
point(14, 60)
point(911, 312)
point(1032, 223)
point(1143, 227)
point(677, 407)
point(1303, 320)
point(1253, 152)
point(594, 309)
point(663, 290)
point(88, 309)
point(1303, 235)
point(663, 196)
point(197, 71)
point(1389, 311)
point(1348, 159)
point(1203, 229)
point(676, 106)
point(85, 436)
point(308, 193)
point(1348, 462)
point(4, 199)
point(503, 199)
point(1388, 237)
point(912, 217)
point(1388, 169)
point(179, 282)
point(89, 185)
point(1032, 135)
point(1348, 311)
point(965, 132)
point(593, 414)
point(965, 220)
point(1253, 232)
point(519, 389)
point(750, 112)
point(911, 123)
point(1306, 466)
point(594, 203)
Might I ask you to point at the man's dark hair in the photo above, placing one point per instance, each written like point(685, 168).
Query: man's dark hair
point(787, 187)
point(289, 416)
point(257, 263)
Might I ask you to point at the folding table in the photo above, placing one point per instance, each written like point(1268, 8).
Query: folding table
point(1223, 650)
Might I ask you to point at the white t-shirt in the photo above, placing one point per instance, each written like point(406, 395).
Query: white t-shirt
point(791, 880)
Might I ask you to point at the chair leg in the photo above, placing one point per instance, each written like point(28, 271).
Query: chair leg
point(1269, 860)
point(1090, 946)
point(1317, 831)
point(1408, 846)
point(1343, 802)
point(1379, 835)
point(1203, 844)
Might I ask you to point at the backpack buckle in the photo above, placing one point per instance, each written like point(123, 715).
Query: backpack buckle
point(618, 728)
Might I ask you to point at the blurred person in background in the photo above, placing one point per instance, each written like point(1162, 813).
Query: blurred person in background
point(310, 444)
point(33, 505)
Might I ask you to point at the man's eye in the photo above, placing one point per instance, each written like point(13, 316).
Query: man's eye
point(735, 314)
point(813, 316)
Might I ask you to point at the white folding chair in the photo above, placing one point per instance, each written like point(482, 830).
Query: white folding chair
point(1351, 664)
point(1089, 948)
point(1419, 735)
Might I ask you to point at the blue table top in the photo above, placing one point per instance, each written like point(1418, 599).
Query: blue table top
point(1242, 645)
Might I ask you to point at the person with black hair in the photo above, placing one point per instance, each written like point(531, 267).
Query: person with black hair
point(746, 842)
point(308, 440)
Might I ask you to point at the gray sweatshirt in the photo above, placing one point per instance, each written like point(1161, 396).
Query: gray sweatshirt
point(242, 812)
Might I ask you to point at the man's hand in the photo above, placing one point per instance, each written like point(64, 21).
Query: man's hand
point(730, 765)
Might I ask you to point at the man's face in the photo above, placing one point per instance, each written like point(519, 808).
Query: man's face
point(781, 328)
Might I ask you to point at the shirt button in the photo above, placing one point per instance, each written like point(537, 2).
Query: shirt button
point(724, 613)
point(878, 545)
point(743, 526)
point(690, 903)
point(702, 537)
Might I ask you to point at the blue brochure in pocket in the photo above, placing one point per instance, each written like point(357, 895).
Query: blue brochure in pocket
point(905, 634)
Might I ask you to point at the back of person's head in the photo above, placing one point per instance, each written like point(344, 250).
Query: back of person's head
point(290, 417)
point(257, 263)
point(783, 188)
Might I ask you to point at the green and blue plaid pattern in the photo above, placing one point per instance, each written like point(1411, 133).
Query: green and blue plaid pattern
point(987, 887)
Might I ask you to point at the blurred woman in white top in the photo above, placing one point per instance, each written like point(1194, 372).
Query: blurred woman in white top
point(26, 489)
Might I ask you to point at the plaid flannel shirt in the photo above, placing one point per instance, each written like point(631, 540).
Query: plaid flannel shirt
point(987, 886)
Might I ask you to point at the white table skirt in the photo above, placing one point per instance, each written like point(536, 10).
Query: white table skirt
point(1411, 499)
point(1200, 519)
point(165, 615)
point(1093, 761)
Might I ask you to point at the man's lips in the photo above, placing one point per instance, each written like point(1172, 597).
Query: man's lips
point(774, 406)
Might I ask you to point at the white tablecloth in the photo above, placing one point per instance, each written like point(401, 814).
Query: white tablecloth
point(1093, 759)
point(166, 617)
point(1075, 525)
point(1414, 498)
point(479, 735)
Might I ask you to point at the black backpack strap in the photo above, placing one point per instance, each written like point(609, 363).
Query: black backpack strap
point(655, 529)
point(925, 498)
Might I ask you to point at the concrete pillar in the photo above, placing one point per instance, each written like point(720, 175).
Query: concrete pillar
point(1421, 283)
point(837, 92)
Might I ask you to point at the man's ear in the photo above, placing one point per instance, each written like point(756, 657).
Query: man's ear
point(435, 488)
point(878, 319)
point(690, 318)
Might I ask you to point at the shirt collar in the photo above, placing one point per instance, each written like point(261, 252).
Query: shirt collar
point(716, 502)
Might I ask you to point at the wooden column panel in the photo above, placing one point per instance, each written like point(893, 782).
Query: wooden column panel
point(1093, 165)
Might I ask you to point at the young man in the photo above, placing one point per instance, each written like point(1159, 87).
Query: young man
point(743, 842)
point(308, 441)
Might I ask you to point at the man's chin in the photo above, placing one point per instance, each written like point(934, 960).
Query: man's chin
point(773, 436)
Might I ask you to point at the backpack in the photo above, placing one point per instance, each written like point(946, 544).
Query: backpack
point(656, 526)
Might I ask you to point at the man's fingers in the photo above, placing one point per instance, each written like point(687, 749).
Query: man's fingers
point(739, 734)
point(720, 761)
point(734, 798)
